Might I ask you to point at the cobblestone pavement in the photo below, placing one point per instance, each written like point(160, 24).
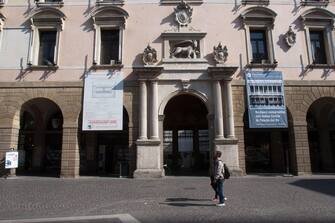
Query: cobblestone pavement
point(172, 199)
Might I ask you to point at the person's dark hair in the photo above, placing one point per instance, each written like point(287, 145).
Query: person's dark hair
point(218, 154)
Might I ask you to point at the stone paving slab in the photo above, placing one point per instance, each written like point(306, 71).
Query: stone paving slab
point(172, 199)
point(120, 218)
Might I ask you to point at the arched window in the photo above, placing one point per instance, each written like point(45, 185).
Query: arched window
point(258, 23)
point(109, 23)
point(46, 25)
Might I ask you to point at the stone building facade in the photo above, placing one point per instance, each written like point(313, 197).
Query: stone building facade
point(183, 65)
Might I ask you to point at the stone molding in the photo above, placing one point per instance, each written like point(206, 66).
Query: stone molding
point(147, 72)
point(222, 72)
point(148, 142)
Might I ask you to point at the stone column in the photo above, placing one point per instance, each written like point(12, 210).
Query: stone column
point(229, 109)
point(154, 111)
point(219, 134)
point(143, 110)
point(70, 152)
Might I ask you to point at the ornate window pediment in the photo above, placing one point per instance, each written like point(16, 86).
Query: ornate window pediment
point(109, 23)
point(258, 24)
point(46, 26)
point(258, 14)
point(318, 16)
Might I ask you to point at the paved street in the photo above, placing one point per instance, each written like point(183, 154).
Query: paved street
point(173, 199)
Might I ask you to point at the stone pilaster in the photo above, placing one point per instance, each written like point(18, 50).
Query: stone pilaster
point(8, 139)
point(302, 149)
point(70, 153)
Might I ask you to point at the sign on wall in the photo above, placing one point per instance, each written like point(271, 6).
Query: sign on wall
point(103, 101)
point(266, 100)
point(12, 160)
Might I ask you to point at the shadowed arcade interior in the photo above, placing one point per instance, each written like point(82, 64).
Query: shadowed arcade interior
point(186, 137)
point(40, 138)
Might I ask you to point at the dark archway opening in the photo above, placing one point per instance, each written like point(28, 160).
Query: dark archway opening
point(321, 135)
point(269, 150)
point(106, 153)
point(186, 138)
point(40, 138)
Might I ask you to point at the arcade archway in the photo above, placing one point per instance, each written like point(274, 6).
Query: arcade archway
point(106, 153)
point(321, 135)
point(40, 138)
point(186, 138)
point(269, 150)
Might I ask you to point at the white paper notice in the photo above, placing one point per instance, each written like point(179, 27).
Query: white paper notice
point(12, 159)
point(103, 101)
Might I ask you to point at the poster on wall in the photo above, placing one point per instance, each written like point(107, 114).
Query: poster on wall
point(103, 101)
point(12, 160)
point(266, 99)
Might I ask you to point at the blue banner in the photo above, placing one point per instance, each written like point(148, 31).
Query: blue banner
point(266, 99)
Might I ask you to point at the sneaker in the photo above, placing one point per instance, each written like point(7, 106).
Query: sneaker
point(215, 199)
point(221, 205)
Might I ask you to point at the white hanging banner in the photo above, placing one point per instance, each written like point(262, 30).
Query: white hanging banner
point(12, 160)
point(103, 101)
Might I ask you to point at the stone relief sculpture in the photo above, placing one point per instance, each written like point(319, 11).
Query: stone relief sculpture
point(220, 53)
point(290, 37)
point(183, 14)
point(185, 49)
point(149, 55)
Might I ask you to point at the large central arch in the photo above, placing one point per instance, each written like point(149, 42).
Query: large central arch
point(186, 147)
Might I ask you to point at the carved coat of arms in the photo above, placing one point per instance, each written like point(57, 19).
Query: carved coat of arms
point(183, 13)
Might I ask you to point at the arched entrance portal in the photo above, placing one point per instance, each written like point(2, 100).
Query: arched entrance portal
point(106, 153)
point(186, 138)
point(269, 150)
point(321, 135)
point(40, 138)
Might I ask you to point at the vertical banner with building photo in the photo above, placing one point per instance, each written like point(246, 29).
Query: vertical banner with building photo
point(103, 101)
point(266, 99)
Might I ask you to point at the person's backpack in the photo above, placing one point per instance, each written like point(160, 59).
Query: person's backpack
point(226, 172)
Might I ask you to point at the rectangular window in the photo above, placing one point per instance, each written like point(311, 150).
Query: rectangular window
point(318, 47)
point(259, 46)
point(47, 46)
point(109, 52)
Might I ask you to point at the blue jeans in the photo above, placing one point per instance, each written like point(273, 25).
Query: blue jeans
point(219, 184)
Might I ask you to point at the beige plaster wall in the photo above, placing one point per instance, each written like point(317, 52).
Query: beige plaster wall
point(145, 24)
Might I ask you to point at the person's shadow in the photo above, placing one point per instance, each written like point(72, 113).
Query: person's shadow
point(186, 202)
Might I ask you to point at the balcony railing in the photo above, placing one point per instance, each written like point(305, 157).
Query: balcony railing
point(109, 2)
point(255, 2)
point(49, 2)
point(314, 2)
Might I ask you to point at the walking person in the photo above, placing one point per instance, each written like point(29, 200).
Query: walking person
point(213, 183)
point(219, 178)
